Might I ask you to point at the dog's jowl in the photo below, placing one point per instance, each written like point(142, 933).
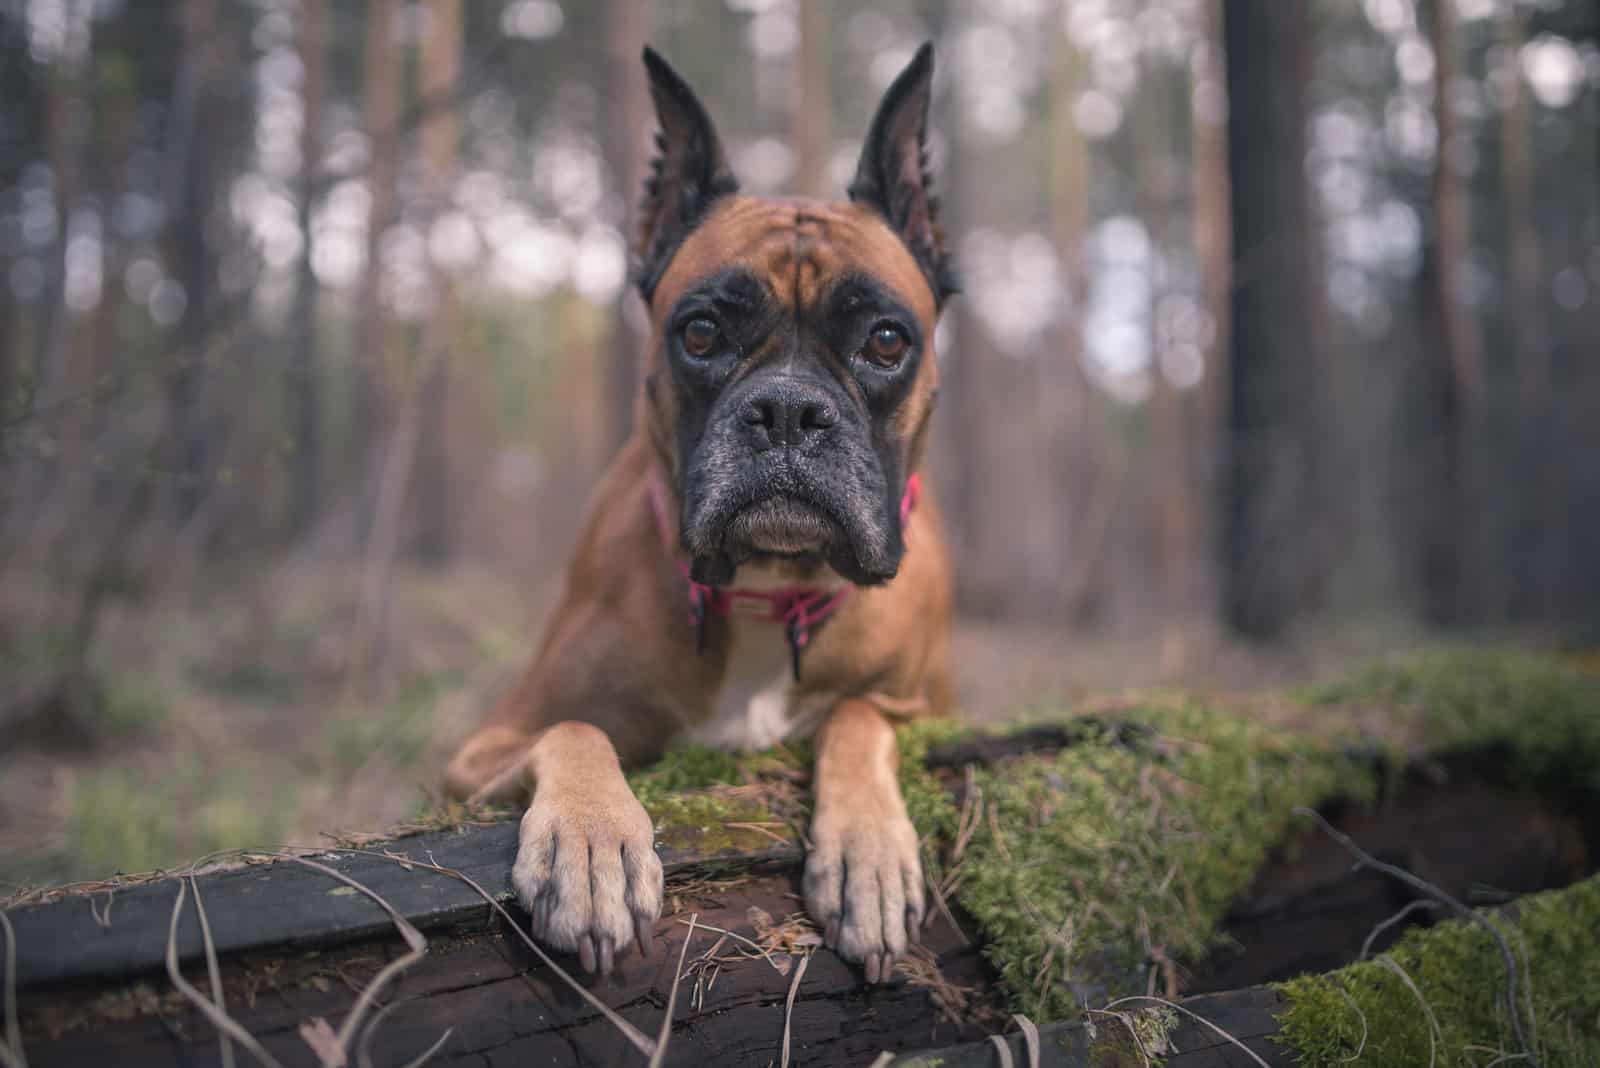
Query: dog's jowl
point(763, 559)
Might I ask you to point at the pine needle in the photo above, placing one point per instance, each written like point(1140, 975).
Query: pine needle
point(788, 1009)
point(665, 1034)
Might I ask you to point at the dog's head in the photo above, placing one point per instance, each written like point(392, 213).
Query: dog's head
point(790, 372)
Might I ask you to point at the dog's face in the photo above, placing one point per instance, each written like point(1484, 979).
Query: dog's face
point(791, 371)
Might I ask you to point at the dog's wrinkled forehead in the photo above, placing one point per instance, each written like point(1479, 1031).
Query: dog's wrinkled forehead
point(801, 249)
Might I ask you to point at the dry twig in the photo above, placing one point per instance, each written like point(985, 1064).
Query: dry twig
point(11, 1054)
point(788, 1009)
point(364, 1047)
point(1514, 1009)
point(212, 968)
point(1030, 1038)
point(659, 1055)
point(1252, 1054)
point(1434, 1034)
point(1377, 932)
point(638, 1039)
point(1362, 1045)
point(219, 1019)
point(417, 949)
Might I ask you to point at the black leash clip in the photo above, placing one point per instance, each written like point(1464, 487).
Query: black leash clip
point(798, 635)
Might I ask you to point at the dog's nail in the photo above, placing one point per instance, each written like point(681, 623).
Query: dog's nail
point(831, 936)
point(872, 967)
point(645, 936)
point(586, 953)
point(607, 956)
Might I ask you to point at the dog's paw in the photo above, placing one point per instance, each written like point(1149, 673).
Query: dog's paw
point(864, 885)
point(588, 873)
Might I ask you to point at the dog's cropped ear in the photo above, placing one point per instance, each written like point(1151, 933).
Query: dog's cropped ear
point(892, 176)
point(689, 173)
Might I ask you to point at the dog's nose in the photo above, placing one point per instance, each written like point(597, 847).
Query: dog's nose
point(788, 414)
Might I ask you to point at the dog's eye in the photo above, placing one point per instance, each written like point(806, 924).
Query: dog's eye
point(886, 345)
point(700, 337)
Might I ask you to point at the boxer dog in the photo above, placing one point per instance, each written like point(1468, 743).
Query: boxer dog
point(762, 560)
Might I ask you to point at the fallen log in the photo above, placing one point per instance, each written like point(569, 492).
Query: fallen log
point(295, 946)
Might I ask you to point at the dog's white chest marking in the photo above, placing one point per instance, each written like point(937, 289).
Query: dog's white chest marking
point(756, 707)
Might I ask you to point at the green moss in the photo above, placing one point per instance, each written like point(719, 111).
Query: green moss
point(703, 823)
point(1541, 711)
point(1458, 971)
point(1128, 845)
point(686, 767)
point(694, 794)
point(928, 803)
point(1132, 1039)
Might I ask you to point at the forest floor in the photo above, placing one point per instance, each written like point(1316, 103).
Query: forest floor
point(233, 722)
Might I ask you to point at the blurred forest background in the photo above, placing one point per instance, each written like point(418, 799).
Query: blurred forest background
point(1280, 338)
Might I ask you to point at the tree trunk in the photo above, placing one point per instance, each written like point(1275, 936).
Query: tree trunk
point(1269, 567)
point(441, 65)
point(380, 102)
point(304, 369)
point(66, 114)
point(1209, 140)
point(1169, 454)
point(1076, 443)
point(627, 131)
point(1453, 370)
point(1537, 527)
point(963, 468)
point(189, 255)
point(812, 103)
point(1522, 231)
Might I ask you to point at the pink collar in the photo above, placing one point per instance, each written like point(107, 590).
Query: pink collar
point(799, 608)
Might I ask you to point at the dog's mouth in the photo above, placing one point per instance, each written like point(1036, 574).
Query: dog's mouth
point(784, 526)
point(785, 513)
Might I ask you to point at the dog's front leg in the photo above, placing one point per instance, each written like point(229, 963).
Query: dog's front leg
point(863, 877)
point(586, 868)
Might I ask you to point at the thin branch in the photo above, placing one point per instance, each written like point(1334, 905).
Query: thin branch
point(1030, 1038)
point(1362, 1045)
point(418, 948)
point(11, 1054)
point(1434, 1034)
point(212, 969)
point(219, 1019)
point(1425, 887)
point(1420, 903)
point(638, 1039)
point(1252, 1054)
point(364, 1047)
point(664, 1035)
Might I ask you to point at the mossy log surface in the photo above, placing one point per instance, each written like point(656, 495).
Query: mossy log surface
point(1142, 844)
